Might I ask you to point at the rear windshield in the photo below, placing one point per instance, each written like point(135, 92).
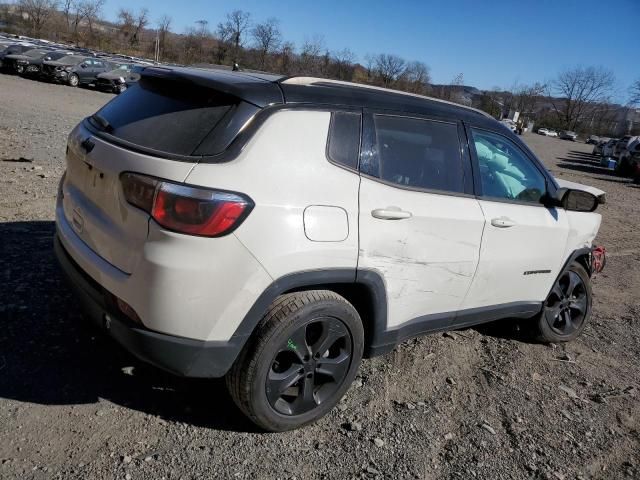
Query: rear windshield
point(166, 116)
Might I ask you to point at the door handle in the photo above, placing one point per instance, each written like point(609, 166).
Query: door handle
point(390, 213)
point(502, 222)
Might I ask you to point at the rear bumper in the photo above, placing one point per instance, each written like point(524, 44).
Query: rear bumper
point(177, 355)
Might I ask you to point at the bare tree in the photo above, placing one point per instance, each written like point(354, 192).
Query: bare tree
point(388, 67)
point(491, 103)
point(38, 12)
point(132, 25)
point(456, 89)
point(164, 28)
point(234, 27)
point(141, 21)
point(224, 37)
point(91, 11)
point(126, 21)
point(202, 33)
point(634, 92)
point(267, 37)
point(344, 64)
point(285, 58)
point(575, 90)
point(415, 78)
point(526, 96)
point(370, 62)
point(67, 6)
point(310, 60)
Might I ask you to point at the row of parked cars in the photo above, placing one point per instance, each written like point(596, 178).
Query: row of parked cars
point(564, 134)
point(624, 151)
point(47, 61)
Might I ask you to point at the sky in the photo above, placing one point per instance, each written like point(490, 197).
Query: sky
point(491, 42)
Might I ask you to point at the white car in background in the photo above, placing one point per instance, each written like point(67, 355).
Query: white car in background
point(510, 124)
point(546, 132)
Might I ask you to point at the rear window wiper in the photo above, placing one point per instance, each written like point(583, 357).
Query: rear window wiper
point(101, 122)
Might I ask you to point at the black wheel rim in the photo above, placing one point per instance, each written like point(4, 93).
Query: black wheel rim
point(566, 306)
point(310, 366)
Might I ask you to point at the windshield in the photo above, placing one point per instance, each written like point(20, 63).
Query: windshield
point(71, 60)
point(36, 53)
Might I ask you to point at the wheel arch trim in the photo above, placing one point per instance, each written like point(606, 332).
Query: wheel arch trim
point(371, 280)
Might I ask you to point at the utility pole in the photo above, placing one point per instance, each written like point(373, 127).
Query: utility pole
point(157, 47)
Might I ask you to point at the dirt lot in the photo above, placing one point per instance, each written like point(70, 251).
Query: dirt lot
point(480, 403)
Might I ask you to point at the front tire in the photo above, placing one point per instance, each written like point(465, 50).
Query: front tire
point(567, 309)
point(73, 80)
point(300, 361)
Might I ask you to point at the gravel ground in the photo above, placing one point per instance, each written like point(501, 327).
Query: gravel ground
point(478, 403)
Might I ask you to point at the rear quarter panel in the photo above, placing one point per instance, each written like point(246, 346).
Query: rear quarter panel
point(284, 170)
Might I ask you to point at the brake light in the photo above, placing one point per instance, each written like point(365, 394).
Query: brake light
point(184, 208)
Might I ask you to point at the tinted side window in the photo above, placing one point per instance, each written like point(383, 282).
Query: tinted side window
point(419, 153)
point(505, 171)
point(344, 139)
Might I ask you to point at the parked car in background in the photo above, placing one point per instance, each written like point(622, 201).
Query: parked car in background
point(10, 61)
point(13, 49)
point(30, 62)
point(568, 135)
point(607, 149)
point(628, 161)
point(593, 139)
point(621, 145)
point(120, 78)
point(597, 148)
point(543, 131)
point(552, 133)
point(75, 70)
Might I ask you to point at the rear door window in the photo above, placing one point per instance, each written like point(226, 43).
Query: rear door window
point(419, 153)
point(344, 139)
point(169, 117)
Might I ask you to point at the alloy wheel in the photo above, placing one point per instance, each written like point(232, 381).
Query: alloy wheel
point(566, 307)
point(310, 366)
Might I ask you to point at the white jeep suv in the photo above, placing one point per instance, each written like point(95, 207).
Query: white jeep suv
point(276, 230)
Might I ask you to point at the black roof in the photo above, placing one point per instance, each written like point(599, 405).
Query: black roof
point(327, 92)
point(259, 89)
point(263, 89)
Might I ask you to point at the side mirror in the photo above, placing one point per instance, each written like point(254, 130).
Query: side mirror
point(574, 200)
point(82, 65)
point(579, 201)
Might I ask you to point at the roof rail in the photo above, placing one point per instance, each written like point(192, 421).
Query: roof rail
point(309, 81)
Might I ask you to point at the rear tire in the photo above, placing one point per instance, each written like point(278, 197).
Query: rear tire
point(299, 362)
point(567, 309)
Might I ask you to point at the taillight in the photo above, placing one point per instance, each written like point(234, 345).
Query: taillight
point(184, 208)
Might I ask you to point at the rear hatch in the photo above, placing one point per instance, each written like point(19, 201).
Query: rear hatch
point(161, 127)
